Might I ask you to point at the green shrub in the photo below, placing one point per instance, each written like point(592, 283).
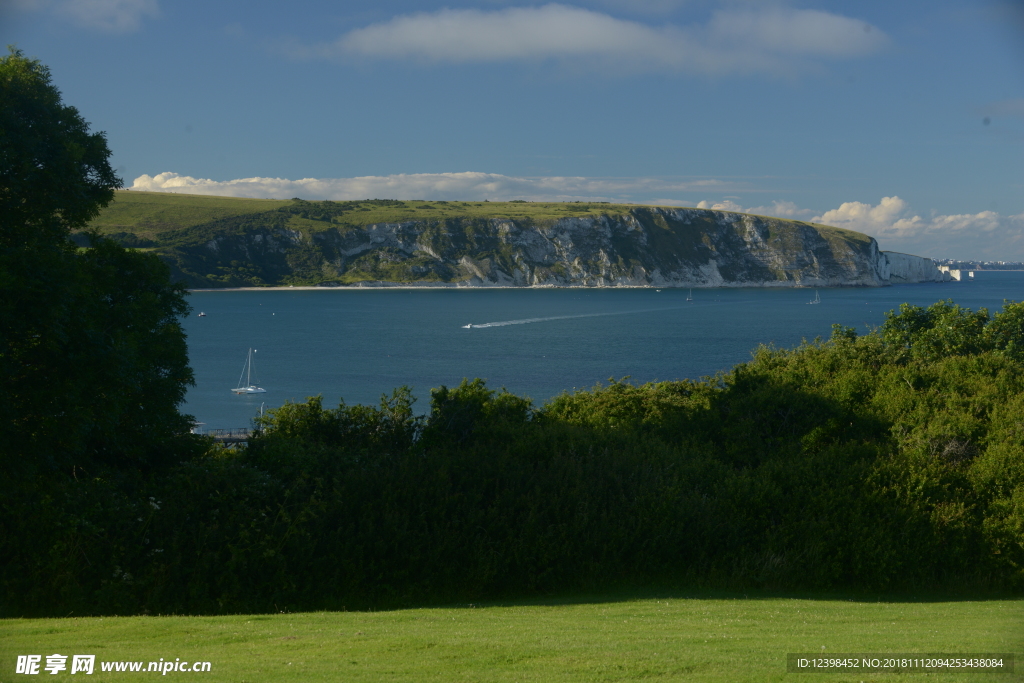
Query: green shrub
point(887, 461)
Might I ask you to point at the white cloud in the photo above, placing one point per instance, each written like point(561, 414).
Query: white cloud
point(110, 16)
point(447, 186)
point(726, 205)
point(514, 33)
point(888, 218)
point(984, 235)
point(774, 40)
point(782, 209)
point(800, 32)
point(779, 209)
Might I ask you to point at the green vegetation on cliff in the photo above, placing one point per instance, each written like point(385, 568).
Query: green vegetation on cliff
point(149, 213)
point(180, 227)
point(224, 242)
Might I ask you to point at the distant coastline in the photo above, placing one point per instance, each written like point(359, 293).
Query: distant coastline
point(217, 243)
point(452, 286)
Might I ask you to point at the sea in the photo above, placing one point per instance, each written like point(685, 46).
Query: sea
point(357, 344)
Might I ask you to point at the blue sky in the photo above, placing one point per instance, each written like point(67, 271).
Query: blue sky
point(903, 120)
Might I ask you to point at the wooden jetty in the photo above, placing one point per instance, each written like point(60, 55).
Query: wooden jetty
point(229, 437)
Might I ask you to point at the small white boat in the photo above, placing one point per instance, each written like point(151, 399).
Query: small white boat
point(816, 299)
point(247, 371)
point(970, 273)
point(689, 297)
point(466, 327)
point(201, 315)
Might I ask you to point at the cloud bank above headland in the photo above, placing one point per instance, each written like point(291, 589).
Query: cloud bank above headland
point(984, 235)
point(447, 186)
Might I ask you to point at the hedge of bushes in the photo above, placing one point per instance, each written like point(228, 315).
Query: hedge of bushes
point(889, 461)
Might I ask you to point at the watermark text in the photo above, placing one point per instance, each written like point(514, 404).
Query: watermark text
point(31, 665)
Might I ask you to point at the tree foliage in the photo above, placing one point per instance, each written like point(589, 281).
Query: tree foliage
point(93, 362)
point(54, 174)
point(888, 461)
point(945, 329)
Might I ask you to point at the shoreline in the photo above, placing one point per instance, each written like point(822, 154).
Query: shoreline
point(378, 287)
point(477, 287)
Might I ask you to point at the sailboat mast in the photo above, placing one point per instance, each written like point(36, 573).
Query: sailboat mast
point(248, 387)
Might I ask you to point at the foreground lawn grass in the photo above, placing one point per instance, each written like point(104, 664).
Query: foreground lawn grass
point(665, 639)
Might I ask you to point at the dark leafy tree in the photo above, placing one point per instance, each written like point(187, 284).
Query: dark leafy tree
point(93, 362)
point(54, 174)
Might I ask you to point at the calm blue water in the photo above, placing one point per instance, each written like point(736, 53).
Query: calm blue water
point(358, 344)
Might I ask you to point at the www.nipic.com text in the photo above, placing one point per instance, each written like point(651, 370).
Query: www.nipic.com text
point(86, 664)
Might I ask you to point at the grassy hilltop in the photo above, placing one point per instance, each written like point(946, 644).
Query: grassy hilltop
point(148, 214)
point(225, 242)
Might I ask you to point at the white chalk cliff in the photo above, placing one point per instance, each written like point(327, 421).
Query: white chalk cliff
point(649, 247)
point(645, 247)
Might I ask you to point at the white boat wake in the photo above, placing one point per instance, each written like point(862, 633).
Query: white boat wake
point(524, 321)
point(689, 307)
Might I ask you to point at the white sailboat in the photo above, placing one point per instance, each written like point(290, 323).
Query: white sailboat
point(247, 372)
point(689, 297)
point(816, 299)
